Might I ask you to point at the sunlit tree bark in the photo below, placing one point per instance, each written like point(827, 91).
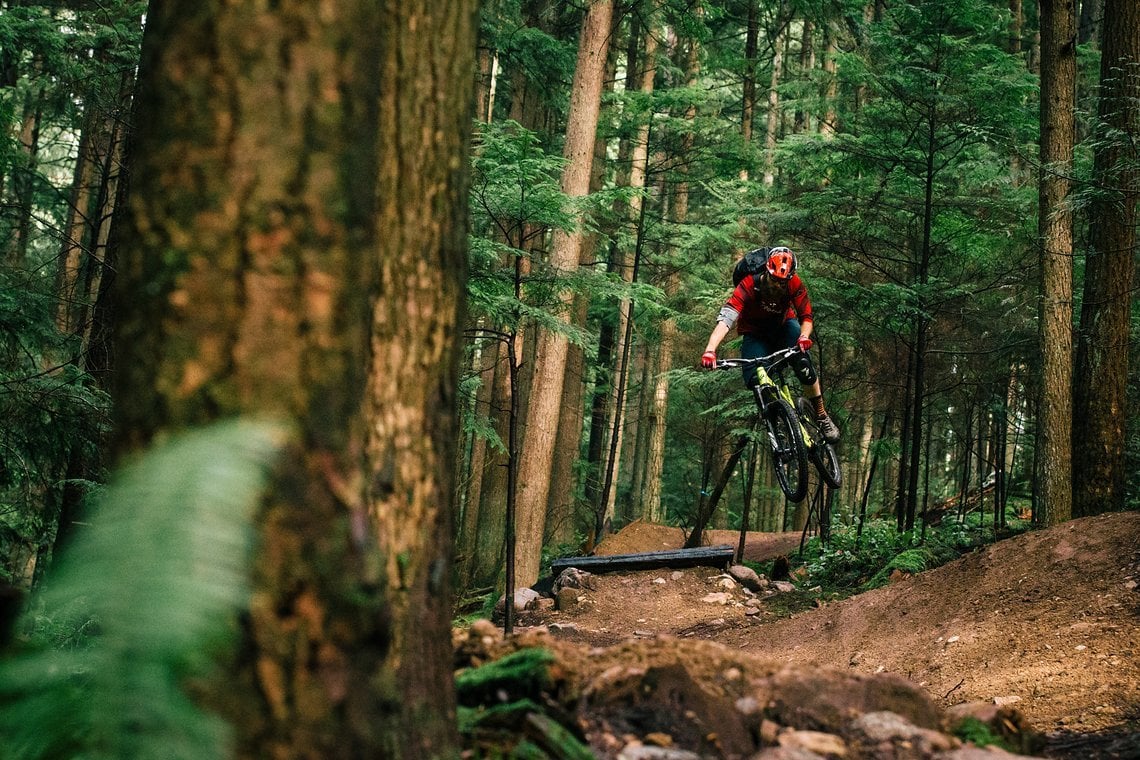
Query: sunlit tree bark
point(550, 359)
point(1055, 227)
point(292, 251)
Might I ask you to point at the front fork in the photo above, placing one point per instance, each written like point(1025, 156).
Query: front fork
point(765, 395)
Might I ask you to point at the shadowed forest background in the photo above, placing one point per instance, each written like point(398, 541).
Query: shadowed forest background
point(460, 261)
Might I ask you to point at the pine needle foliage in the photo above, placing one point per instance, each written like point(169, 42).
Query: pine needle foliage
point(147, 590)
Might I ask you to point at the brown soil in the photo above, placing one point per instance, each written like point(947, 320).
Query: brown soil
point(1048, 621)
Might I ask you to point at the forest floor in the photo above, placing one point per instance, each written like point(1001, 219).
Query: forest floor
point(1047, 621)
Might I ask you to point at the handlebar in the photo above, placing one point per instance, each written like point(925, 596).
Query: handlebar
point(769, 361)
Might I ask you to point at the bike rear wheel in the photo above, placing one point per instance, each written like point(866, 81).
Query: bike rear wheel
point(788, 456)
point(821, 453)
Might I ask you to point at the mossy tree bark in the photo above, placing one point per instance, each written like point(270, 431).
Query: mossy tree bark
point(1101, 375)
point(293, 248)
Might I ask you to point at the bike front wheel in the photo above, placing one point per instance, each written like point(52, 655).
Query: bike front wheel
point(788, 456)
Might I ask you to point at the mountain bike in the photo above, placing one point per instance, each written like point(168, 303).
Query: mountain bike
point(789, 420)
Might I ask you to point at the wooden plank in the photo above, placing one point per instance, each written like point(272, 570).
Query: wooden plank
point(701, 556)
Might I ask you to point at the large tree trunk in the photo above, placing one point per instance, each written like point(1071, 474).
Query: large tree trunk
point(612, 327)
point(770, 132)
point(629, 265)
point(560, 515)
point(550, 360)
point(1055, 227)
point(487, 562)
point(1088, 30)
point(487, 365)
point(293, 251)
point(94, 194)
point(1016, 19)
point(1102, 354)
point(807, 65)
point(18, 209)
point(828, 124)
point(560, 511)
point(748, 106)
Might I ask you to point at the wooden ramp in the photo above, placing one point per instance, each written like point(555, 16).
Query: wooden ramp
point(701, 556)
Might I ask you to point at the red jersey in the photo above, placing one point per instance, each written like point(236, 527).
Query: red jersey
point(753, 311)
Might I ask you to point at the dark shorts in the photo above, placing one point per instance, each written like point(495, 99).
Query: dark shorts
point(765, 341)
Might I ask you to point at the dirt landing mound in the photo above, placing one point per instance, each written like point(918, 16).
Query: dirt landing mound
point(1048, 622)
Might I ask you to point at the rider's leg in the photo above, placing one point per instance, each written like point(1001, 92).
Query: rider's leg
point(805, 371)
point(753, 346)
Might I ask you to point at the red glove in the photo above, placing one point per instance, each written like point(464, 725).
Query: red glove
point(804, 343)
point(708, 359)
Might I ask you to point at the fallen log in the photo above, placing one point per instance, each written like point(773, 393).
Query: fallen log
point(701, 556)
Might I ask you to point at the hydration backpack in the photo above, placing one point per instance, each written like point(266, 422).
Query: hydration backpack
point(752, 263)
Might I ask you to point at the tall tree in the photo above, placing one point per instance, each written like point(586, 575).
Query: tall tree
point(1101, 377)
point(1055, 227)
point(293, 250)
point(628, 263)
point(1092, 15)
point(550, 358)
point(772, 128)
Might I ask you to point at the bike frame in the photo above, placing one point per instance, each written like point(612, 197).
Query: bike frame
point(772, 377)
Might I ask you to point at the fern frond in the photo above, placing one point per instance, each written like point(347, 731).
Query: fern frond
point(157, 575)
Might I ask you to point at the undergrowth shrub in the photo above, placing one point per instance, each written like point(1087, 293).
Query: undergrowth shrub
point(851, 564)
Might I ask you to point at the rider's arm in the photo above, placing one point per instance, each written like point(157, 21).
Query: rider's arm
point(730, 312)
point(801, 304)
point(718, 334)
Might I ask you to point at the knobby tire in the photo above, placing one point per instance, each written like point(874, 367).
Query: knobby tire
point(821, 453)
point(790, 458)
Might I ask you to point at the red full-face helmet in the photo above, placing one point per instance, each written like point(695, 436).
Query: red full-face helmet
point(781, 263)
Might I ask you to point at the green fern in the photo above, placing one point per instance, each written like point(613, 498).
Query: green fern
point(154, 580)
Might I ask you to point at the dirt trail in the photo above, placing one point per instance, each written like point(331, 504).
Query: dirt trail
point(1048, 621)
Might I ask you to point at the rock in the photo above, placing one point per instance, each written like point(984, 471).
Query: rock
point(558, 627)
point(677, 575)
point(816, 742)
point(660, 581)
point(1003, 701)
point(572, 577)
point(747, 577)
point(659, 739)
point(891, 728)
point(717, 597)
point(826, 697)
point(897, 575)
point(567, 599)
point(1003, 720)
point(484, 628)
point(783, 586)
point(647, 752)
point(785, 753)
point(978, 753)
point(544, 603)
point(727, 583)
point(748, 705)
point(525, 599)
point(750, 611)
point(769, 731)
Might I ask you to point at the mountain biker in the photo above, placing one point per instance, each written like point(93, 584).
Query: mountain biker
point(771, 310)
